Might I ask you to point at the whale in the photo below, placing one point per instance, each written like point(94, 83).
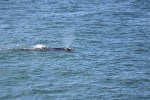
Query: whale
point(41, 47)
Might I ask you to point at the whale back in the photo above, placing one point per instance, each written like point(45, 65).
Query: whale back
point(40, 46)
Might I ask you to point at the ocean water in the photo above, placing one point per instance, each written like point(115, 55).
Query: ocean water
point(111, 50)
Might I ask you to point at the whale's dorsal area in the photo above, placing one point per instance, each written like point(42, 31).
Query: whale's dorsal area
point(40, 46)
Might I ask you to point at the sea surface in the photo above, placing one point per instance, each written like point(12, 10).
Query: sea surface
point(111, 50)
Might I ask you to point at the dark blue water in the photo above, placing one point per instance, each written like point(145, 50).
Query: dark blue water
point(111, 50)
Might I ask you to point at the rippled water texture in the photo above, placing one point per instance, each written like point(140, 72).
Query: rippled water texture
point(111, 50)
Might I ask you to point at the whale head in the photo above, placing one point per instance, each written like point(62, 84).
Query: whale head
point(67, 49)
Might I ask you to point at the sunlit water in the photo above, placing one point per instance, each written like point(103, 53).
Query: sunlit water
point(111, 50)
